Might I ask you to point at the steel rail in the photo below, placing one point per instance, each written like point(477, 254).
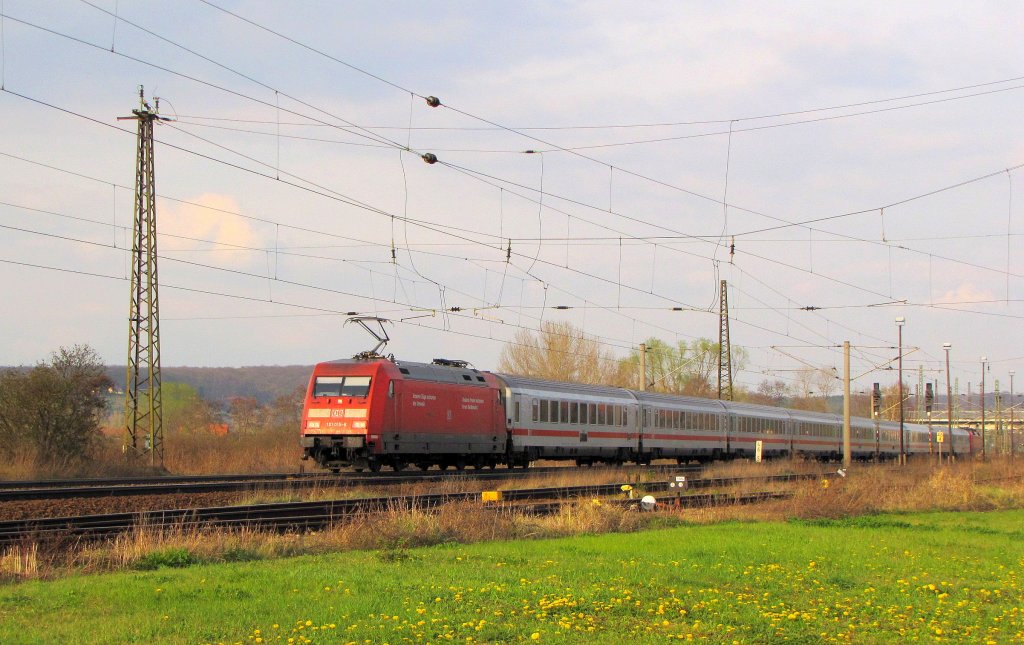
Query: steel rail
point(300, 516)
point(91, 488)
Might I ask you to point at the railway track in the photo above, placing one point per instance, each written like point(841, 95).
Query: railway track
point(304, 516)
point(178, 485)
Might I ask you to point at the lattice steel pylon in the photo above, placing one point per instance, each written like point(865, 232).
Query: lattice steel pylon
point(724, 349)
point(143, 403)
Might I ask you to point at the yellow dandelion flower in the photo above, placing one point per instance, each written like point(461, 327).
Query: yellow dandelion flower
point(535, 636)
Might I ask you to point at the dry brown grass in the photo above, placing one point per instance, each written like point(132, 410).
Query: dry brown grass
point(920, 486)
point(868, 489)
point(198, 453)
point(204, 453)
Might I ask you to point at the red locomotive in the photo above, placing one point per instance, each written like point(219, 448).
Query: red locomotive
point(372, 411)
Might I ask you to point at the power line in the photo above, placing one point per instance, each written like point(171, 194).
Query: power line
point(765, 258)
point(467, 170)
point(735, 119)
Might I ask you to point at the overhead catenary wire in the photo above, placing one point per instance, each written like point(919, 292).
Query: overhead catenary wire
point(650, 179)
point(721, 120)
point(370, 74)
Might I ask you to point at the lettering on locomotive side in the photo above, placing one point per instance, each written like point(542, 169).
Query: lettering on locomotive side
point(470, 403)
point(420, 400)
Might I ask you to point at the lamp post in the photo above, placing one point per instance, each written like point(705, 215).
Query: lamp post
point(984, 449)
point(900, 321)
point(949, 402)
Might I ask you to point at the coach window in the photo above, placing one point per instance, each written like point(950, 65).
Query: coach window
point(516, 408)
point(574, 412)
point(593, 413)
point(544, 411)
point(564, 415)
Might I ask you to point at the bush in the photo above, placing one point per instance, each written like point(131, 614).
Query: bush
point(52, 412)
point(175, 558)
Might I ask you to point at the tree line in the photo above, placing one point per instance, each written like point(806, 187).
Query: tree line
point(560, 351)
point(53, 414)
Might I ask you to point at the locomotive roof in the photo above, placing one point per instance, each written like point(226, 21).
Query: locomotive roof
point(450, 372)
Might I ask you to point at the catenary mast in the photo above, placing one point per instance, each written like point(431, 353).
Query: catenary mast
point(143, 404)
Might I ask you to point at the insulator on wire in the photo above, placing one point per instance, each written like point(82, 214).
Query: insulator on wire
point(433, 101)
point(430, 158)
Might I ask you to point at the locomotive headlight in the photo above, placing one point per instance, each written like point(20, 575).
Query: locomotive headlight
point(361, 425)
point(313, 425)
point(319, 413)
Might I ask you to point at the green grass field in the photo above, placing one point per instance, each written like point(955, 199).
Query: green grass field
point(933, 577)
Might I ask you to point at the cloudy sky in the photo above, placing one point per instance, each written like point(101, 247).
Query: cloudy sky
point(862, 157)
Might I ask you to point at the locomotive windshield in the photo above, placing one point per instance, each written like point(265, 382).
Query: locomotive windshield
point(341, 386)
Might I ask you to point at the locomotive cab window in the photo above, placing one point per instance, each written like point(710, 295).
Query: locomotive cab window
point(327, 386)
point(356, 386)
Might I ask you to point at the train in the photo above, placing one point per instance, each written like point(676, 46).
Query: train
point(370, 412)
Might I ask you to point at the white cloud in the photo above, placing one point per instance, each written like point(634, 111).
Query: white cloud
point(207, 227)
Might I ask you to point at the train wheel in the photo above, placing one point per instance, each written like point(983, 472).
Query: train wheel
point(375, 466)
point(423, 466)
point(358, 469)
point(460, 464)
point(399, 466)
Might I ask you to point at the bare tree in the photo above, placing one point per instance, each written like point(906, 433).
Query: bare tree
point(771, 392)
point(246, 414)
point(812, 386)
point(558, 351)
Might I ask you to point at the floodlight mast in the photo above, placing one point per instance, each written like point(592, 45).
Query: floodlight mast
point(381, 337)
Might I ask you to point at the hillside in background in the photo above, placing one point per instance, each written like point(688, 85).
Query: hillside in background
point(262, 382)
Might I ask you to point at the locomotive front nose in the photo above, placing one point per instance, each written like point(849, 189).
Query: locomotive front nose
point(335, 420)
